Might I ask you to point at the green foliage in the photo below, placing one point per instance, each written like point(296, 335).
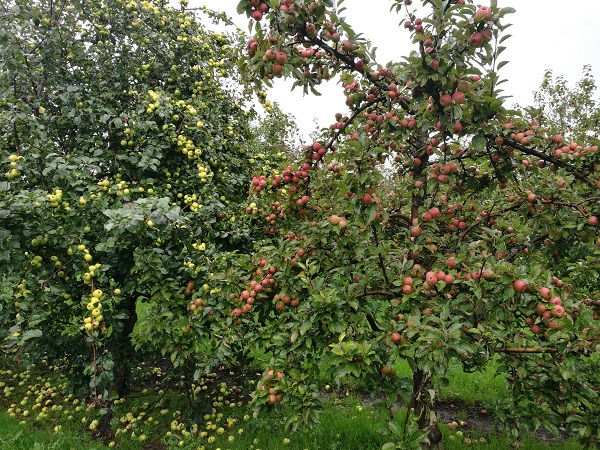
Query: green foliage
point(572, 110)
point(427, 223)
point(125, 165)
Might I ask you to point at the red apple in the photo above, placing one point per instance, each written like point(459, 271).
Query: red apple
point(476, 39)
point(558, 310)
point(519, 286)
point(445, 100)
point(483, 13)
point(458, 97)
point(544, 292)
point(280, 57)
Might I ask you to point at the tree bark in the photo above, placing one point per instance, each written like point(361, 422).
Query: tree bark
point(122, 350)
point(423, 407)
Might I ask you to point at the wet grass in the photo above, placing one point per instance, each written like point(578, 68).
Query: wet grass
point(36, 412)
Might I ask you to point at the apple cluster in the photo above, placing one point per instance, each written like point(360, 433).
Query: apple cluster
point(258, 9)
point(92, 322)
point(14, 171)
point(270, 382)
point(262, 283)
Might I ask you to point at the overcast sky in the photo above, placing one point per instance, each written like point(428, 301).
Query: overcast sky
point(546, 34)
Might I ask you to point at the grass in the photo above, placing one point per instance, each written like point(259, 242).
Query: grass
point(343, 427)
point(23, 436)
point(36, 413)
point(476, 387)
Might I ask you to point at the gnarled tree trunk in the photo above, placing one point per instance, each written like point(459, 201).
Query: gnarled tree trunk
point(422, 406)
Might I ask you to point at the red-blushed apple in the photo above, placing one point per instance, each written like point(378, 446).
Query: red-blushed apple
point(544, 292)
point(592, 220)
point(270, 54)
point(520, 286)
point(476, 39)
point(387, 371)
point(431, 278)
point(463, 86)
point(280, 57)
point(396, 337)
point(445, 100)
point(483, 13)
point(458, 97)
point(556, 301)
point(558, 311)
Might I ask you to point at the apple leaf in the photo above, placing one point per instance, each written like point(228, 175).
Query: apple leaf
point(479, 142)
point(31, 334)
point(507, 10)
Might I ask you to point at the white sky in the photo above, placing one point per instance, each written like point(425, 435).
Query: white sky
point(546, 34)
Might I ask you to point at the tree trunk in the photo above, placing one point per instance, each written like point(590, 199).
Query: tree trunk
point(422, 405)
point(122, 350)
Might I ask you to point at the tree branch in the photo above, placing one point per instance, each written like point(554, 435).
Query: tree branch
point(522, 247)
point(377, 292)
point(548, 158)
point(380, 256)
point(526, 350)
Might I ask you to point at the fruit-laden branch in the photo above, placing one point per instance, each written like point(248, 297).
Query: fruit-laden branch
point(526, 350)
point(379, 292)
point(548, 158)
point(348, 59)
point(345, 125)
point(522, 247)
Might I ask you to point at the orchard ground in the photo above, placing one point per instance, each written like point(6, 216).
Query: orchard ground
point(167, 411)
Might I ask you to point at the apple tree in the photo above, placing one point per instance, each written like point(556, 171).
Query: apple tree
point(126, 154)
point(426, 224)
